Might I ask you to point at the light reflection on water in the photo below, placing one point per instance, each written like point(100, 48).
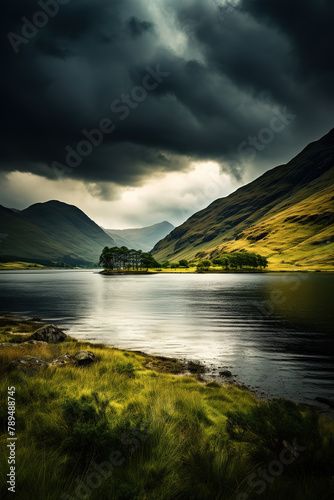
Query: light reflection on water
point(274, 331)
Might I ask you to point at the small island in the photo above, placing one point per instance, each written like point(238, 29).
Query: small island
point(122, 260)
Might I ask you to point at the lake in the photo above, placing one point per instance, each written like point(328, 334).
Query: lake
point(273, 331)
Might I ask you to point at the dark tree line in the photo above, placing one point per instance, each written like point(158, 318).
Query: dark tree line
point(237, 260)
point(123, 258)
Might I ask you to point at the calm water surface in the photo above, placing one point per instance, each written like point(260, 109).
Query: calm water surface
point(273, 331)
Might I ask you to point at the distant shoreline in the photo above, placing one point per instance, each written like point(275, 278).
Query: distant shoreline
point(193, 270)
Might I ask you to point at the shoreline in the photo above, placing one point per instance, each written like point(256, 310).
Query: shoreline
point(196, 369)
point(84, 409)
point(164, 271)
point(164, 364)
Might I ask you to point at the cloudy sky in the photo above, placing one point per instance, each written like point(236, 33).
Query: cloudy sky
point(139, 111)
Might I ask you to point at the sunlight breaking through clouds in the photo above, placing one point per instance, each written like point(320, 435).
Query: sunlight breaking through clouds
point(173, 196)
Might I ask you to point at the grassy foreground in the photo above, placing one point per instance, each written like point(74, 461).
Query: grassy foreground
point(132, 426)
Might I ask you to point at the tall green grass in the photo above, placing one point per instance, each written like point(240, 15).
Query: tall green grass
point(116, 430)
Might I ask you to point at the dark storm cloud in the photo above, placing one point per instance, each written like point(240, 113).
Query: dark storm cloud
point(307, 23)
point(138, 27)
point(226, 75)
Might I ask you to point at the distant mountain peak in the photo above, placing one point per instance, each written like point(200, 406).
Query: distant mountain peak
point(143, 238)
point(54, 204)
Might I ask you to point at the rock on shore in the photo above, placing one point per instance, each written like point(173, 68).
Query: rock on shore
point(50, 334)
point(28, 362)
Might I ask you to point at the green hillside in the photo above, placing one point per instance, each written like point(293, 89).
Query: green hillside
point(50, 233)
point(287, 215)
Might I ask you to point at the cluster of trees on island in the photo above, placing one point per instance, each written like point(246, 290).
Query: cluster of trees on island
point(125, 259)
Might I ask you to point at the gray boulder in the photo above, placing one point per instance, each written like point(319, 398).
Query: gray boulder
point(28, 362)
point(84, 358)
point(50, 334)
point(225, 373)
point(65, 359)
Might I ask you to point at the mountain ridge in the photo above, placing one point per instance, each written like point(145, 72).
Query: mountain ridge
point(55, 233)
point(245, 219)
point(52, 232)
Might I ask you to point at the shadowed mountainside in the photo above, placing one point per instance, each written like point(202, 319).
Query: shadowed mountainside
point(50, 233)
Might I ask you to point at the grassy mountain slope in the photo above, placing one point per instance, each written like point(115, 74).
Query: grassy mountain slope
point(51, 232)
point(22, 239)
point(287, 214)
point(143, 238)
